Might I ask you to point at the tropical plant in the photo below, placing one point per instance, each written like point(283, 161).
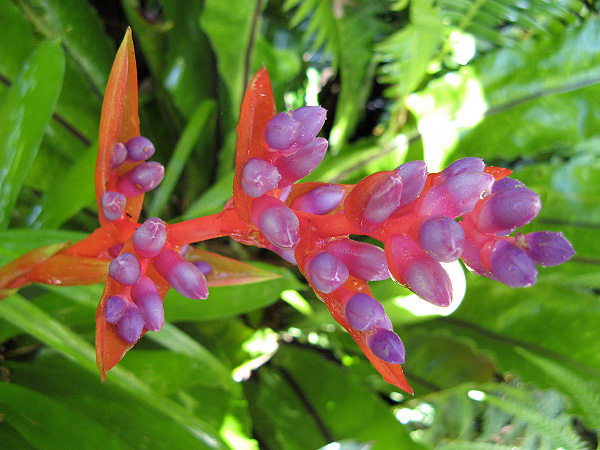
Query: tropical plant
point(501, 368)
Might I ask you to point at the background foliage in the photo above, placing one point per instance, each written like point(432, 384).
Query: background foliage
point(517, 83)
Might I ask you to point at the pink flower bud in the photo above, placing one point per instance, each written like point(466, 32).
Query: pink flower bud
point(139, 148)
point(457, 195)
point(282, 131)
point(364, 312)
point(125, 269)
point(410, 265)
point(131, 325)
point(373, 200)
point(442, 238)
point(508, 209)
point(320, 200)
point(258, 177)
point(184, 276)
point(547, 248)
point(463, 165)
point(113, 205)
point(326, 272)
point(145, 295)
point(119, 155)
point(276, 221)
point(364, 261)
point(511, 265)
point(142, 178)
point(386, 345)
point(312, 119)
point(413, 175)
point(115, 308)
point(150, 237)
point(301, 163)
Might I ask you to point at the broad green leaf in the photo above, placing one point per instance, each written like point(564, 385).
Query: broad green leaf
point(11, 438)
point(16, 41)
point(136, 422)
point(25, 112)
point(345, 407)
point(16, 242)
point(181, 154)
point(49, 425)
point(32, 320)
point(62, 201)
point(189, 65)
point(229, 32)
point(229, 301)
point(77, 24)
point(212, 200)
point(277, 408)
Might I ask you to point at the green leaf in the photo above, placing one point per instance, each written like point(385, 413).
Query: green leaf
point(24, 113)
point(32, 320)
point(181, 155)
point(229, 31)
point(77, 24)
point(230, 301)
point(16, 42)
point(345, 407)
point(50, 425)
point(62, 201)
point(212, 200)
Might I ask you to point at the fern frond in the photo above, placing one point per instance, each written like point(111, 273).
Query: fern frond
point(554, 429)
point(585, 394)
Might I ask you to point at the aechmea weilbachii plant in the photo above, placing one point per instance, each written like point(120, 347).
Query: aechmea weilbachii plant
point(468, 211)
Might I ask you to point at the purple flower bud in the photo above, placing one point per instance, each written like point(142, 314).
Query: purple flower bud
point(320, 200)
point(419, 271)
point(150, 237)
point(276, 221)
point(457, 195)
point(139, 148)
point(506, 183)
point(463, 165)
point(113, 205)
point(204, 267)
point(363, 312)
point(131, 325)
point(142, 178)
point(184, 276)
point(145, 295)
point(442, 238)
point(258, 177)
point(119, 155)
point(125, 269)
point(282, 131)
point(301, 163)
point(326, 272)
point(511, 265)
point(548, 248)
point(384, 201)
point(115, 308)
point(414, 176)
point(386, 345)
point(312, 119)
point(508, 209)
point(364, 261)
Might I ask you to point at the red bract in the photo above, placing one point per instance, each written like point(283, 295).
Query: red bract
point(413, 213)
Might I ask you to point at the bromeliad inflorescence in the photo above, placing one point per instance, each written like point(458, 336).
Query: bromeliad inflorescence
point(467, 211)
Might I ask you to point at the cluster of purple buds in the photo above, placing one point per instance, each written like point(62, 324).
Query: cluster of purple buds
point(139, 305)
point(293, 152)
point(131, 181)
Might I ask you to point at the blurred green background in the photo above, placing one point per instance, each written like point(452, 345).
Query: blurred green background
point(263, 366)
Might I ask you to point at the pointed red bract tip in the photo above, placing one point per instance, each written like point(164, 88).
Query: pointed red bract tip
point(119, 123)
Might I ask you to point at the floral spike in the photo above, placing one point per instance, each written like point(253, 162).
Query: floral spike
point(412, 212)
